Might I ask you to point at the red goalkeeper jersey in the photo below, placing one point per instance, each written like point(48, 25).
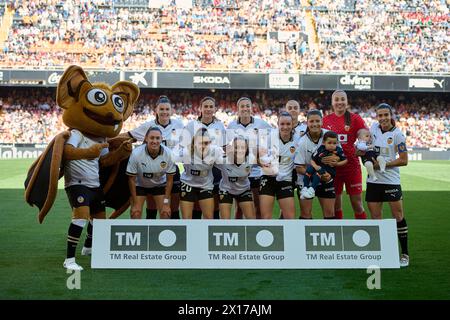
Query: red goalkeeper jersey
point(347, 136)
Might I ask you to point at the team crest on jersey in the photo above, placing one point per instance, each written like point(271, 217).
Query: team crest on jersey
point(183, 194)
point(221, 197)
point(292, 149)
point(163, 164)
point(346, 127)
point(247, 169)
point(80, 199)
point(390, 140)
point(174, 132)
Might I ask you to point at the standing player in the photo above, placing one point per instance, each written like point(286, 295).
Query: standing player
point(254, 129)
point(306, 146)
point(216, 131)
point(293, 108)
point(389, 141)
point(150, 173)
point(347, 125)
point(171, 130)
point(235, 183)
point(299, 128)
point(197, 179)
point(277, 168)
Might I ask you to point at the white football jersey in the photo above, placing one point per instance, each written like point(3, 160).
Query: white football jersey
point(171, 133)
point(235, 177)
point(216, 131)
point(150, 172)
point(305, 149)
point(197, 171)
point(388, 144)
point(280, 159)
point(84, 172)
point(299, 130)
point(256, 131)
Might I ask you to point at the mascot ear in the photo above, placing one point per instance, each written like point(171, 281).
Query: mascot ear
point(69, 85)
point(130, 92)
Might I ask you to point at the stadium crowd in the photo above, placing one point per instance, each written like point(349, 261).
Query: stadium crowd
point(31, 116)
point(257, 35)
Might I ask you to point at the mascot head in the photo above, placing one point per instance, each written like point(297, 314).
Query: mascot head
point(94, 108)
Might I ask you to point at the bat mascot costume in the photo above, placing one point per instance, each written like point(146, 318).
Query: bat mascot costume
point(93, 169)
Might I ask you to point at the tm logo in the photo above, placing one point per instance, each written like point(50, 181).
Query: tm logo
point(250, 238)
point(148, 238)
point(345, 238)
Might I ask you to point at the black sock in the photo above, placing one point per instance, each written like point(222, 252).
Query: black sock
point(151, 213)
point(402, 232)
point(175, 214)
point(281, 216)
point(88, 241)
point(73, 237)
point(216, 214)
point(196, 214)
point(329, 218)
point(304, 218)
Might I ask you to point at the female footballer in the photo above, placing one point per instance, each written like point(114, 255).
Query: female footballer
point(216, 131)
point(253, 128)
point(390, 142)
point(171, 130)
point(306, 146)
point(197, 181)
point(150, 173)
point(235, 183)
point(347, 125)
point(277, 166)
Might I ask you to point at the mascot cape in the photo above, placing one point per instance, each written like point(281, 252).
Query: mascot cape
point(41, 184)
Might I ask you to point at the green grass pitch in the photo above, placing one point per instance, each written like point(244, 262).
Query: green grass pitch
point(31, 255)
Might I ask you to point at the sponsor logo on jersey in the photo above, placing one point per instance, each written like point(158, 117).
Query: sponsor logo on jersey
point(342, 138)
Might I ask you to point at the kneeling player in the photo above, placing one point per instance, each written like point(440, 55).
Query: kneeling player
point(151, 170)
point(198, 159)
point(235, 183)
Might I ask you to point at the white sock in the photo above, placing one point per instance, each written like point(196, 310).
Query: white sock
point(382, 163)
point(370, 170)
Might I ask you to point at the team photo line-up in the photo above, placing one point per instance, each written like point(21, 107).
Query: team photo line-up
point(250, 164)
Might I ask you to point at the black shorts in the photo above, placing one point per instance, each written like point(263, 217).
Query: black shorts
point(271, 187)
point(176, 181)
point(294, 178)
point(254, 182)
point(226, 197)
point(192, 194)
point(324, 190)
point(155, 191)
point(369, 156)
point(377, 192)
point(80, 196)
point(217, 174)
